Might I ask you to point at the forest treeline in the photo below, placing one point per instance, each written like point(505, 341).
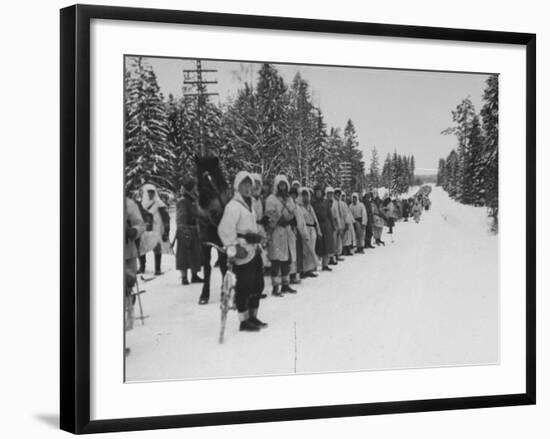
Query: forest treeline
point(470, 172)
point(269, 127)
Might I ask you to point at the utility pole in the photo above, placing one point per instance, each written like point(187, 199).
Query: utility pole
point(345, 175)
point(194, 78)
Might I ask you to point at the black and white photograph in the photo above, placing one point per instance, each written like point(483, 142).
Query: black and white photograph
point(275, 219)
point(289, 219)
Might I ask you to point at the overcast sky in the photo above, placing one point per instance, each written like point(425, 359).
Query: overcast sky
point(391, 109)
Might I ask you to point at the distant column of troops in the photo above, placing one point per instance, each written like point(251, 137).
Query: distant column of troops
point(287, 230)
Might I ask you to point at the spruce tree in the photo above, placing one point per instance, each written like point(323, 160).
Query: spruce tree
point(175, 134)
point(352, 154)
point(441, 173)
point(273, 104)
point(452, 172)
point(474, 174)
point(403, 179)
point(387, 172)
point(148, 153)
point(406, 170)
point(374, 169)
point(302, 127)
point(323, 162)
point(463, 117)
point(395, 174)
point(243, 148)
point(489, 115)
point(336, 146)
point(256, 127)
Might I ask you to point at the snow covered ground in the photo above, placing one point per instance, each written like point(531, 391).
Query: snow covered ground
point(428, 299)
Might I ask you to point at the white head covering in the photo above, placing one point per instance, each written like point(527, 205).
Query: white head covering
point(301, 190)
point(355, 194)
point(241, 175)
point(329, 189)
point(296, 182)
point(277, 180)
point(146, 201)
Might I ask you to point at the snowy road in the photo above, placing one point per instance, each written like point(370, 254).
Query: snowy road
point(428, 299)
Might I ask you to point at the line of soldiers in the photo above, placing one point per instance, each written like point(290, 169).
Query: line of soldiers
point(291, 231)
point(285, 230)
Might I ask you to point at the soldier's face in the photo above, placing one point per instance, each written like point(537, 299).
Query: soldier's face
point(245, 188)
point(257, 188)
point(282, 187)
point(330, 196)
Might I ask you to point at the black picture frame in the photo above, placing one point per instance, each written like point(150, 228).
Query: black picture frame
point(75, 217)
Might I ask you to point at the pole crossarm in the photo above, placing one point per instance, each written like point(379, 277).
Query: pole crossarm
point(199, 84)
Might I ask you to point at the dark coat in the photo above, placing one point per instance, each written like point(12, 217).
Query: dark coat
point(189, 252)
point(325, 245)
point(405, 209)
point(368, 208)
